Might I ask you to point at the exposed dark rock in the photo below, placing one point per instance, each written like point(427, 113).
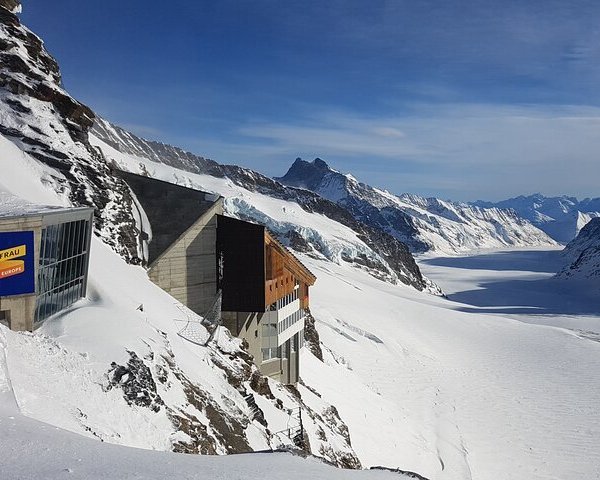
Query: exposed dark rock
point(136, 381)
point(297, 242)
point(18, 106)
point(331, 418)
point(582, 254)
point(311, 336)
point(202, 443)
point(226, 429)
point(260, 385)
point(406, 473)
point(308, 387)
point(30, 85)
point(10, 5)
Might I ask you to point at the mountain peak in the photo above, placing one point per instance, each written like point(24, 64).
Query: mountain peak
point(320, 164)
point(305, 174)
point(317, 163)
point(13, 6)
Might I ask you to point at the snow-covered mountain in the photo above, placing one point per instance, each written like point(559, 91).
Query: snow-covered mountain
point(424, 224)
point(395, 377)
point(290, 212)
point(582, 254)
point(560, 217)
point(42, 119)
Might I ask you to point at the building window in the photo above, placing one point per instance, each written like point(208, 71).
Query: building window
point(270, 353)
point(62, 267)
point(291, 320)
point(5, 317)
point(269, 337)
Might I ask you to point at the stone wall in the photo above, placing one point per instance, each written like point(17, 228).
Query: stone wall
point(187, 270)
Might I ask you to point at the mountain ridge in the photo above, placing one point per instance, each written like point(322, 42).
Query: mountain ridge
point(424, 224)
point(391, 255)
point(561, 217)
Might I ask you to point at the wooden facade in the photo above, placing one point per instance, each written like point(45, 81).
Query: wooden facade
point(264, 290)
point(283, 272)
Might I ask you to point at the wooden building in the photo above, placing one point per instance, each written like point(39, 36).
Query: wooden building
point(193, 252)
point(265, 295)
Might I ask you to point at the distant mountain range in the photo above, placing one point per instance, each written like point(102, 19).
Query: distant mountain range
point(424, 224)
point(560, 217)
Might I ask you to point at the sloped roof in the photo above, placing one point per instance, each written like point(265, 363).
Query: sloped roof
point(171, 209)
point(302, 269)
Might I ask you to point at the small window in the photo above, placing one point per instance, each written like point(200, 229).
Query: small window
point(5, 317)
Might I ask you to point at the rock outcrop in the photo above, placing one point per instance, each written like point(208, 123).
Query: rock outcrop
point(582, 255)
point(38, 115)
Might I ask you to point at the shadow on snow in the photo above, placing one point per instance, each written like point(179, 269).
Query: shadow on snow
point(541, 296)
point(527, 260)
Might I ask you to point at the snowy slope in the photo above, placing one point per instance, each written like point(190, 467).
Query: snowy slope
point(424, 383)
point(582, 255)
point(560, 217)
point(425, 224)
point(111, 370)
point(34, 450)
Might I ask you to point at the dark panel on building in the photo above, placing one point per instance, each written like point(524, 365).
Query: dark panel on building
point(241, 263)
point(171, 209)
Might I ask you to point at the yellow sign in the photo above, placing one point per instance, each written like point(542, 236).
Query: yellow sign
point(14, 252)
point(9, 268)
point(8, 265)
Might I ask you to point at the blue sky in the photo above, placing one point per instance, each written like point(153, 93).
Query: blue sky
point(461, 99)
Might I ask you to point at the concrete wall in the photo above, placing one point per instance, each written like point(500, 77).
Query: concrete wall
point(248, 326)
point(187, 269)
point(22, 307)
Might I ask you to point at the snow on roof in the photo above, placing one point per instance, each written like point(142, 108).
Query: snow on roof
point(13, 206)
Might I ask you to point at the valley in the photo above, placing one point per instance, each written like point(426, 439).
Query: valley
point(518, 284)
point(458, 340)
point(477, 389)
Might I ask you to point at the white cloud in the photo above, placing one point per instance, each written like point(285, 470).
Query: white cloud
point(480, 150)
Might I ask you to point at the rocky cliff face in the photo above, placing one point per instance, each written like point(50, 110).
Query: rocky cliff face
point(422, 223)
point(582, 255)
point(40, 117)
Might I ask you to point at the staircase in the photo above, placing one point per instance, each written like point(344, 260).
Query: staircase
point(201, 329)
point(294, 433)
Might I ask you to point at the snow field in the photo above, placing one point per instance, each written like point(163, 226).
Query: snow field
point(454, 395)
